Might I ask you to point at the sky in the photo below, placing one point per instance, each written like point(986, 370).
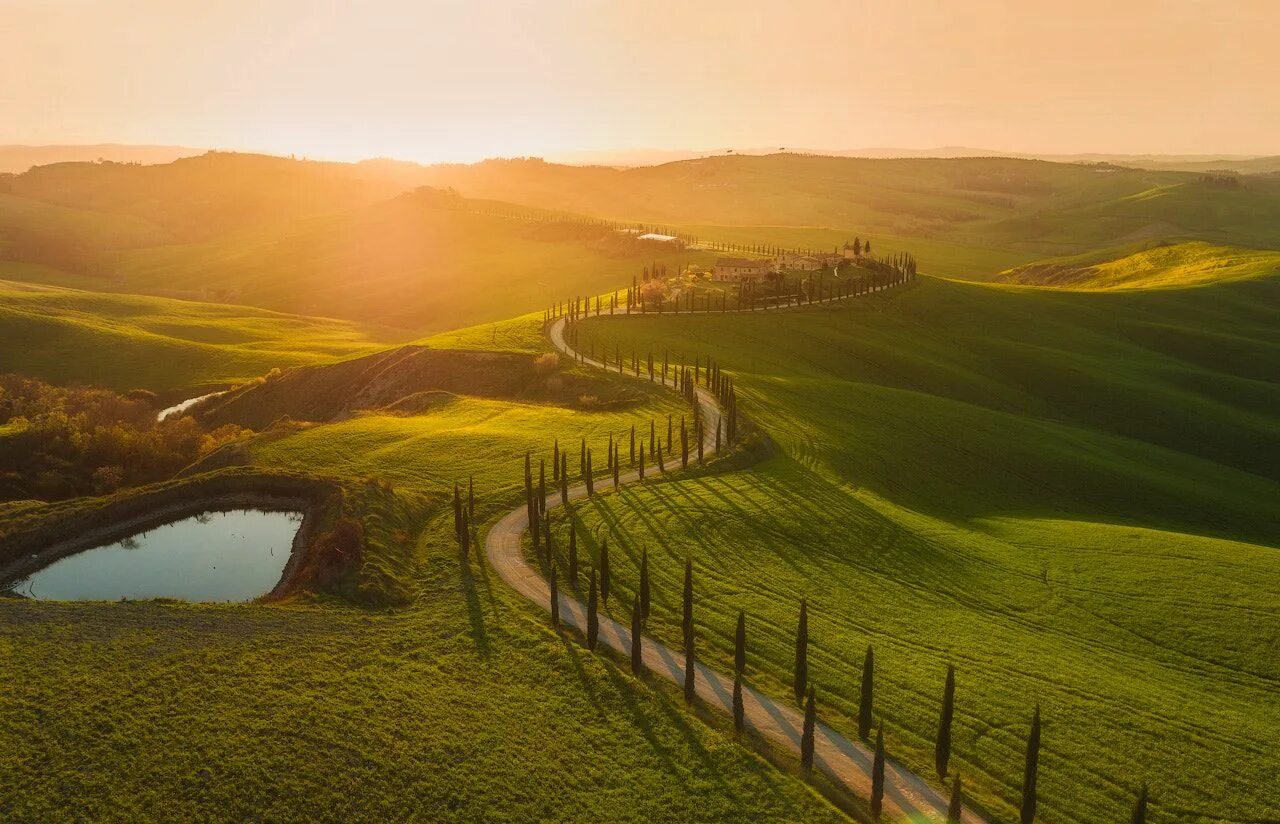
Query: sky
point(437, 80)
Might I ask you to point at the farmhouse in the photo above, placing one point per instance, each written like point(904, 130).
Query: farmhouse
point(735, 270)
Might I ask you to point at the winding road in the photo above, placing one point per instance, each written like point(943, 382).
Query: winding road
point(906, 795)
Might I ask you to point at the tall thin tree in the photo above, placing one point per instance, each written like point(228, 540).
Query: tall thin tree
point(604, 571)
point(644, 585)
point(942, 749)
point(877, 775)
point(865, 709)
point(637, 652)
point(955, 809)
point(807, 734)
point(740, 644)
point(593, 620)
point(801, 676)
point(739, 714)
point(687, 626)
point(555, 596)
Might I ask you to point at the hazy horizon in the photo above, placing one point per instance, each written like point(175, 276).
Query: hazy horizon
point(437, 82)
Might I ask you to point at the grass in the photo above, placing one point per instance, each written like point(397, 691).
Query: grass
point(132, 342)
point(1178, 265)
point(1068, 495)
point(464, 705)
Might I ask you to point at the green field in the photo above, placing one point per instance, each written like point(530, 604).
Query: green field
point(1068, 495)
point(1164, 266)
point(127, 342)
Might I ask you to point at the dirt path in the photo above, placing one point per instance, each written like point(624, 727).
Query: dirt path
point(906, 795)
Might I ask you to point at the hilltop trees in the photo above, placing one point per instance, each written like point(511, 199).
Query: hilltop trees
point(1031, 774)
point(801, 676)
point(942, 749)
point(864, 702)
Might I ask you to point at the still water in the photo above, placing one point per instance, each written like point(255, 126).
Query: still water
point(217, 556)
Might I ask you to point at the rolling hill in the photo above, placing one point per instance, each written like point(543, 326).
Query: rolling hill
point(1068, 495)
point(1030, 206)
point(1164, 266)
point(127, 342)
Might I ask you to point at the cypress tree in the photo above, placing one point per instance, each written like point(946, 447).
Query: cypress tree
point(864, 703)
point(1031, 775)
point(641, 464)
point(719, 420)
point(593, 620)
point(604, 571)
point(942, 751)
point(740, 644)
point(687, 625)
point(955, 810)
point(1140, 807)
point(573, 553)
point(662, 467)
point(464, 540)
point(668, 434)
point(555, 597)
point(806, 737)
point(738, 710)
point(801, 680)
point(653, 438)
point(684, 445)
point(564, 479)
point(542, 485)
point(697, 436)
point(644, 585)
point(637, 653)
point(877, 775)
point(590, 477)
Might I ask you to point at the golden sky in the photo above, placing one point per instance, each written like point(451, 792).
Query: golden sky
point(453, 80)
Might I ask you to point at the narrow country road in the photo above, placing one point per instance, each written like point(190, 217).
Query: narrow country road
point(906, 795)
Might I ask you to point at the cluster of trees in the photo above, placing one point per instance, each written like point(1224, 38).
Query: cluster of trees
point(63, 442)
point(1224, 180)
point(649, 295)
point(464, 516)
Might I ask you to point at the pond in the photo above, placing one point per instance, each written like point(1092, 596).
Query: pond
point(216, 556)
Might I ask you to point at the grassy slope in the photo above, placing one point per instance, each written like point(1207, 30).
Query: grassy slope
point(1068, 495)
point(1177, 265)
point(464, 705)
point(412, 262)
point(128, 341)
